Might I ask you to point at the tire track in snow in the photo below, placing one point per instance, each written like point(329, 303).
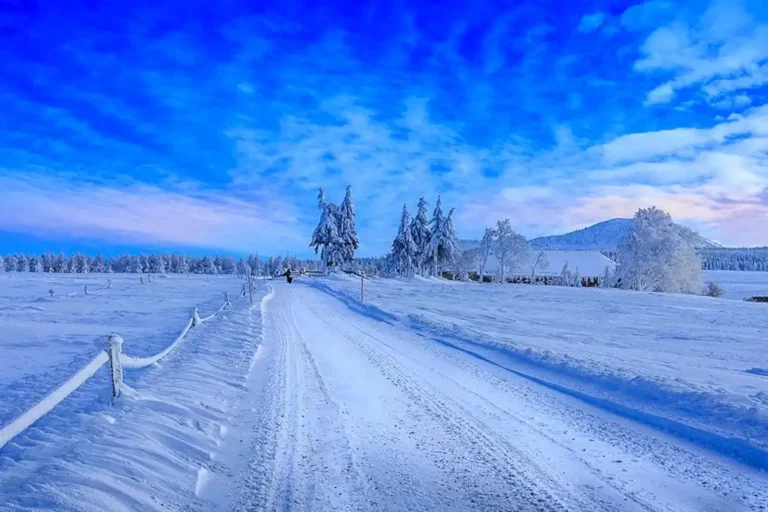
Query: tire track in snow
point(492, 457)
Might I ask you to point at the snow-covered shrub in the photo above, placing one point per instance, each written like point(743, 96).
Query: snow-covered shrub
point(713, 290)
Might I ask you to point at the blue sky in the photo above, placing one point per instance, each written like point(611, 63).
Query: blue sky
point(208, 126)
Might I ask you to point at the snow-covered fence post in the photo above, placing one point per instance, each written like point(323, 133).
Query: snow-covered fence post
point(196, 320)
point(250, 289)
point(109, 283)
point(226, 299)
point(115, 350)
point(142, 280)
point(362, 289)
point(86, 289)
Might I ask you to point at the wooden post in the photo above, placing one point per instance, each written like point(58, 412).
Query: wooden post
point(362, 290)
point(250, 289)
point(115, 349)
point(196, 318)
point(86, 289)
point(226, 299)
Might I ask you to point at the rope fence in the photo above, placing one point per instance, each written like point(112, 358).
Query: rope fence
point(112, 354)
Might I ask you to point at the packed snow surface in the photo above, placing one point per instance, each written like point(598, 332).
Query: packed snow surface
point(431, 395)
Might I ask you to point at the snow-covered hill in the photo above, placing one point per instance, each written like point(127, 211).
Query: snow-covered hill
point(603, 235)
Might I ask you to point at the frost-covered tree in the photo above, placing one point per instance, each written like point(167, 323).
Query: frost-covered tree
point(659, 255)
point(511, 249)
point(577, 278)
point(486, 246)
point(78, 264)
point(2, 264)
point(420, 233)
point(98, 264)
point(404, 250)
point(22, 264)
point(325, 238)
point(136, 266)
point(566, 276)
point(608, 279)
point(36, 265)
point(714, 290)
point(467, 262)
point(347, 232)
point(155, 264)
point(11, 263)
point(254, 263)
point(539, 261)
point(442, 248)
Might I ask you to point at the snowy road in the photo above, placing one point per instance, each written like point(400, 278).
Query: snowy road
point(346, 411)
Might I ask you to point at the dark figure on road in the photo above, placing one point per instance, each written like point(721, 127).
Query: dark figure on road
point(288, 276)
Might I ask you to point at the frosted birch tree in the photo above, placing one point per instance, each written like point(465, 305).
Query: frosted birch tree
point(659, 255)
point(486, 247)
point(511, 249)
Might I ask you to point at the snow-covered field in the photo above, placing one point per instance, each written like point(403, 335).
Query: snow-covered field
point(739, 285)
point(696, 361)
point(44, 340)
point(433, 395)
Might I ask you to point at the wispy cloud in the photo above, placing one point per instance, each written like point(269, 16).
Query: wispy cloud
point(217, 135)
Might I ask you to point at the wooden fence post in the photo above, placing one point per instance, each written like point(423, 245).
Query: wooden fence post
point(196, 320)
point(226, 299)
point(115, 349)
point(362, 290)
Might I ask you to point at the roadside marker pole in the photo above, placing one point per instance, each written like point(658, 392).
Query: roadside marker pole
point(362, 291)
point(250, 289)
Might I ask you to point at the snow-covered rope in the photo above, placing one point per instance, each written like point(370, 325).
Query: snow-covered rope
point(112, 354)
point(143, 362)
point(105, 287)
point(43, 407)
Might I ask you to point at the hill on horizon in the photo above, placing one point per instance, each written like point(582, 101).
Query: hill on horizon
point(606, 235)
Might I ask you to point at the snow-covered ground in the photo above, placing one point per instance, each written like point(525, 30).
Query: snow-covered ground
point(696, 361)
point(432, 395)
point(44, 340)
point(739, 285)
point(148, 449)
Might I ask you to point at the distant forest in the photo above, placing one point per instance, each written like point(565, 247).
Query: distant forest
point(726, 258)
point(165, 264)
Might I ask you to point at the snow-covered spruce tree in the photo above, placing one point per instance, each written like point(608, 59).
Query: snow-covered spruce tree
point(22, 264)
point(659, 255)
point(486, 246)
point(404, 250)
point(11, 263)
point(566, 276)
point(135, 266)
point(37, 265)
point(2, 264)
point(511, 249)
point(347, 231)
point(155, 264)
point(608, 279)
point(577, 278)
point(254, 264)
point(443, 247)
point(98, 264)
point(325, 238)
point(420, 233)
